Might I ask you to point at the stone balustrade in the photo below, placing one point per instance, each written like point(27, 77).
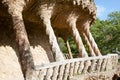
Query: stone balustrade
point(65, 70)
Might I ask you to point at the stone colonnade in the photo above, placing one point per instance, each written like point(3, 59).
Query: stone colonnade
point(45, 12)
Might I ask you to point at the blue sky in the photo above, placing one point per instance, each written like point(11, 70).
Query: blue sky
point(104, 7)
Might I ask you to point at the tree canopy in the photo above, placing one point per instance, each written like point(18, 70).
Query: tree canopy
point(107, 33)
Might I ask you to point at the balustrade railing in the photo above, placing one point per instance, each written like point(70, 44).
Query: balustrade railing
point(65, 70)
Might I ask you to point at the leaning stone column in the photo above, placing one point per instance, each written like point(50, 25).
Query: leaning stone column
point(93, 43)
point(91, 52)
point(91, 39)
point(72, 24)
point(82, 52)
point(15, 10)
point(45, 13)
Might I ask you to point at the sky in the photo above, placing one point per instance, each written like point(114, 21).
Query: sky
point(104, 7)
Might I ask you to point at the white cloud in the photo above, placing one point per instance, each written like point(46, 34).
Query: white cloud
point(100, 10)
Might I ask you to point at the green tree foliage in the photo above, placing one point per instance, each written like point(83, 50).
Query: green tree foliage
point(72, 45)
point(107, 33)
point(63, 47)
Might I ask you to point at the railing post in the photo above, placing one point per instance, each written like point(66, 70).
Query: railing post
point(71, 70)
point(49, 74)
point(67, 71)
point(87, 63)
point(104, 63)
point(109, 63)
point(76, 67)
point(42, 74)
point(61, 72)
point(99, 64)
point(55, 72)
point(81, 67)
point(93, 66)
